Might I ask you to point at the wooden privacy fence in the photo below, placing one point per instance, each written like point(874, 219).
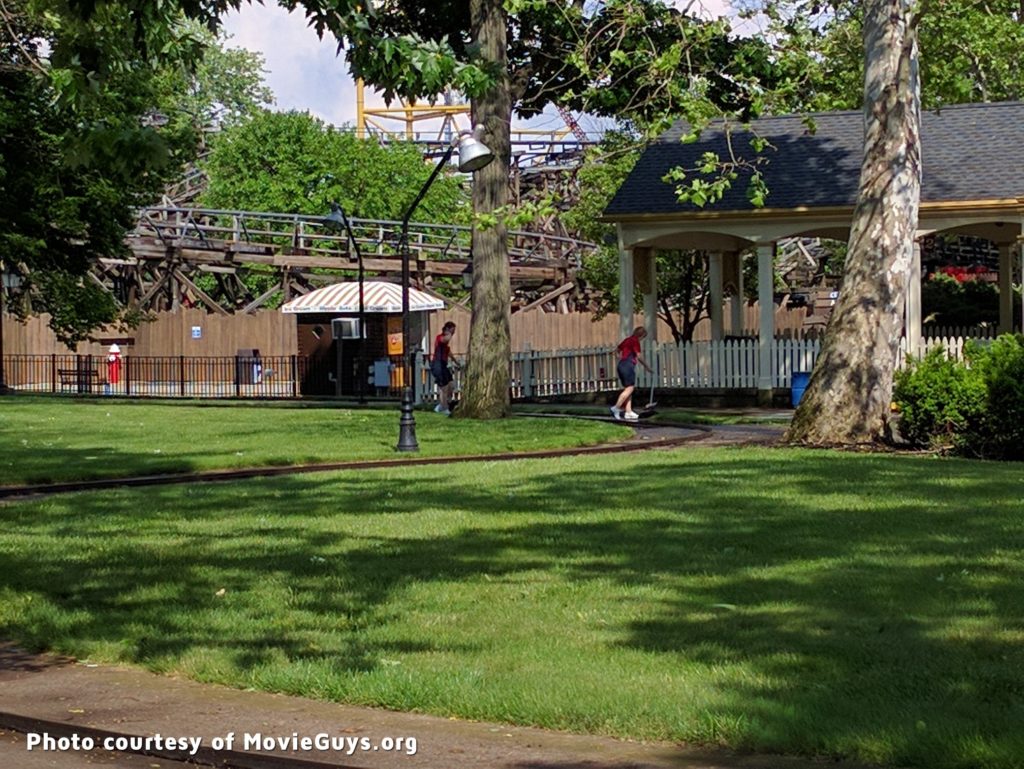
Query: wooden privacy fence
point(537, 330)
point(196, 333)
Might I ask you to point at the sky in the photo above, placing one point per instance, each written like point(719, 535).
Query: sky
point(305, 73)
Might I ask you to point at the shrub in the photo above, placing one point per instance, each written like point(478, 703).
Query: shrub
point(1000, 368)
point(939, 400)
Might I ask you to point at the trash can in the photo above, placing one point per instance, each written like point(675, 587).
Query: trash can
point(799, 384)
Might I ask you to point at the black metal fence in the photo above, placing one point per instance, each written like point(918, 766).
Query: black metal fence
point(168, 376)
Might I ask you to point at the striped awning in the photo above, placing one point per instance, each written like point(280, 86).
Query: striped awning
point(378, 296)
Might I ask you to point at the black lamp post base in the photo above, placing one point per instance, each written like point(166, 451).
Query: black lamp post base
point(407, 425)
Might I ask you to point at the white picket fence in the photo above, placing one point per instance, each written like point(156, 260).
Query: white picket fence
point(728, 364)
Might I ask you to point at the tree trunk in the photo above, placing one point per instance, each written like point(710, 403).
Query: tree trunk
point(485, 393)
point(847, 400)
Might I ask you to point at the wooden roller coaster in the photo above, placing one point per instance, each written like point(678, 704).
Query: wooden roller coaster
point(202, 257)
point(241, 261)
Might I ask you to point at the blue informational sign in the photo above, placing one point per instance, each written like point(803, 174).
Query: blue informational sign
point(197, 332)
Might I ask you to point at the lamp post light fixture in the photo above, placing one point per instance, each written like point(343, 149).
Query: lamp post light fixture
point(473, 155)
point(337, 220)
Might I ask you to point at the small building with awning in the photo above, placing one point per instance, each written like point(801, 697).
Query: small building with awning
point(334, 347)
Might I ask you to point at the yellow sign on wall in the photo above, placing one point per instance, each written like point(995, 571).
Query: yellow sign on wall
point(395, 335)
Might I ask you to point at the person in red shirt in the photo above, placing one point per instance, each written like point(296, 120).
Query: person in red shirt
point(440, 371)
point(629, 356)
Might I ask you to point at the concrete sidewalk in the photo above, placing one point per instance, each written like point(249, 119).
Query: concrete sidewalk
point(46, 697)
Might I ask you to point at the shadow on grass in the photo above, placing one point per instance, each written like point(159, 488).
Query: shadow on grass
point(72, 441)
point(873, 602)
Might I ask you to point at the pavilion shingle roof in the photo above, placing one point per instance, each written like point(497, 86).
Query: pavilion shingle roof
point(969, 152)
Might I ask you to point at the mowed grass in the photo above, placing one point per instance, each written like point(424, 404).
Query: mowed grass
point(49, 439)
point(778, 600)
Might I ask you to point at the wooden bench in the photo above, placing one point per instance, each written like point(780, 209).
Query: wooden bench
point(77, 380)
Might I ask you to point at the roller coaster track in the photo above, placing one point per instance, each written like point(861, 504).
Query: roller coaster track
point(201, 257)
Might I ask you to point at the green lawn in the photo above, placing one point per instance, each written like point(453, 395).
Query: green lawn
point(50, 439)
point(820, 603)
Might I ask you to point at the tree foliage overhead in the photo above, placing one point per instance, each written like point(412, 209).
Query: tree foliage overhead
point(969, 50)
point(223, 88)
point(80, 85)
point(70, 172)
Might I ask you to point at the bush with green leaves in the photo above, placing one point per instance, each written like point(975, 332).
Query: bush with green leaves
point(975, 407)
point(1000, 368)
point(939, 399)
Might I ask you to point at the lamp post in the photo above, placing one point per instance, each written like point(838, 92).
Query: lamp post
point(473, 155)
point(8, 280)
point(336, 219)
point(3, 288)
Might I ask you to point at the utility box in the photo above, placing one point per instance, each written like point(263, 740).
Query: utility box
point(248, 366)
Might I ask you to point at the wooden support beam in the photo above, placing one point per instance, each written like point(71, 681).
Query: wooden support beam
point(256, 303)
point(548, 297)
point(206, 298)
point(151, 291)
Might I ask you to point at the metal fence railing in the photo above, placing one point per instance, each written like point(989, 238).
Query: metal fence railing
point(169, 376)
point(726, 364)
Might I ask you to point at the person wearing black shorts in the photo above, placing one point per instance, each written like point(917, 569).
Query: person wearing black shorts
point(629, 356)
point(440, 371)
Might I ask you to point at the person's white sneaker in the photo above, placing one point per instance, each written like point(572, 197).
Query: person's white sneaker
point(631, 416)
point(616, 412)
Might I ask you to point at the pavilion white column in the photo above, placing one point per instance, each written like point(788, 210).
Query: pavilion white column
point(1006, 253)
point(1019, 253)
point(912, 308)
point(645, 274)
point(717, 295)
point(626, 309)
point(736, 306)
point(650, 292)
point(766, 326)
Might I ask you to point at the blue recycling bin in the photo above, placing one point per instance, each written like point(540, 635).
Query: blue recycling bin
point(799, 384)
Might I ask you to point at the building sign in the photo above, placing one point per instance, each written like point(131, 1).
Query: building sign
point(395, 335)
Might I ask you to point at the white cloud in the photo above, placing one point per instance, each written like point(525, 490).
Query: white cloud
point(303, 71)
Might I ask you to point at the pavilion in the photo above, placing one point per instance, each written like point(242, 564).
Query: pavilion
point(972, 184)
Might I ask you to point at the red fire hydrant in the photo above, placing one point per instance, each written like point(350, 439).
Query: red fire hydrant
point(113, 366)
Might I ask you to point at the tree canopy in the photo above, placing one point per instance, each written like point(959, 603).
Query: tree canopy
point(79, 87)
point(969, 50)
point(292, 162)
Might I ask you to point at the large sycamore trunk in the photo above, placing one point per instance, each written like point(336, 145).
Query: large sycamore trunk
point(485, 393)
point(848, 399)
